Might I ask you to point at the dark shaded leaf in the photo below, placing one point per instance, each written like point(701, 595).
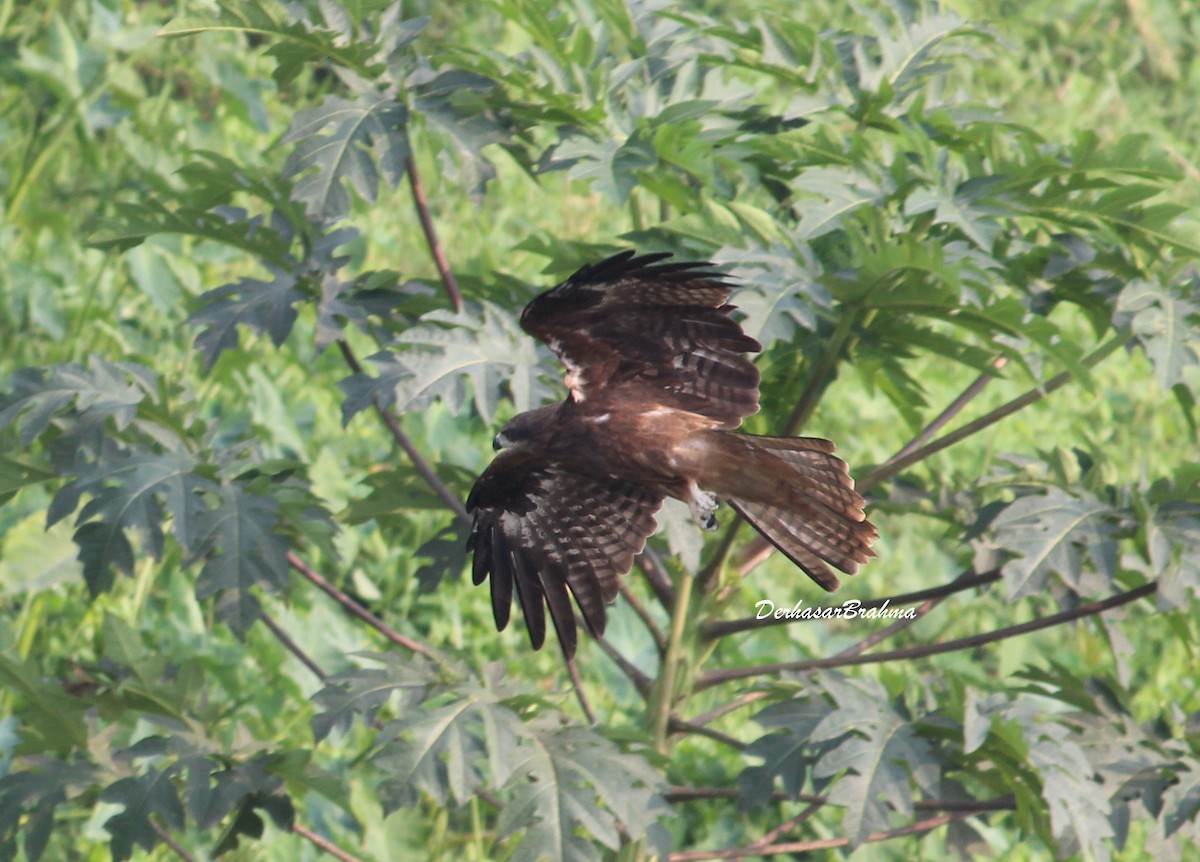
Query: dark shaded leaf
point(241, 549)
point(125, 495)
point(142, 797)
point(100, 391)
point(264, 306)
point(878, 754)
point(557, 782)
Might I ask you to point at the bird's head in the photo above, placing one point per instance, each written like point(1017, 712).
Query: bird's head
point(529, 427)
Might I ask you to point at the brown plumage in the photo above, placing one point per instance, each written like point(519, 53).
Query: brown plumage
point(657, 381)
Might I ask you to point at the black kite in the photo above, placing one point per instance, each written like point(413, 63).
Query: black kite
point(657, 381)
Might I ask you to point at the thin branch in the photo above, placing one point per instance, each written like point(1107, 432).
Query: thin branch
point(787, 825)
point(966, 581)
point(166, 838)
point(759, 549)
point(292, 647)
point(652, 567)
point(953, 409)
point(660, 640)
point(818, 844)
point(679, 725)
point(718, 677)
point(887, 631)
point(418, 461)
point(854, 649)
point(896, 465)
point(737, 703)
point(684, 793)
point(358, 610)
point(640, 681)
point(324, 844)
point(431, 237)
point(577, 684)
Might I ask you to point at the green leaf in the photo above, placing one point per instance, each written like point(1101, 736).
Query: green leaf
point(264, 306)
point(300, 43)
point(53, 720)
point(435, 359)
point(877, 753)
point(1164, 324)
point(241, 549)
point(1079, 812)
point(453, 102)
point(1173, 541)
point(786, 755)
point(1050, 533)
point(561, 776)
point(16, 473)
point(230, 226)
point(778, 291)
point(367, 143)
point(100, 391)
point(37, 791)
point(837, 192)
point(143, 797)
point(125, 491)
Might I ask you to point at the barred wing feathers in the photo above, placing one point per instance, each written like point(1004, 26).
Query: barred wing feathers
point(664, 328)
point(542, 531)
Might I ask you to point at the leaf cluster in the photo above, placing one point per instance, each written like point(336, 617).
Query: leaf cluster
point(908, 256)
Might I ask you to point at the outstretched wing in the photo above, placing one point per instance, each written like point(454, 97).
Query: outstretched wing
point(664, 327)
point(544, 531)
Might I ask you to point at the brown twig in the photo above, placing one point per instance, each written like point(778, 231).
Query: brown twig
point(418, 461)
point(577, 684)
point(895, 465)
point(966, 581)
point(785, 826)
point(292, 647)
point(737, 703)
point(165, 837)
point(656, 576)
point(679, 725)
point(952, 409)
point(638, 608)
point(324, 843)
point(431, 237)
point(818, 844)
point(718, 677)
point(640, 681)
point(358, 610)
point(683, 793)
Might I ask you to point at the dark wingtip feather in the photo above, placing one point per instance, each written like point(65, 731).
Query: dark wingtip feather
point(629, 262)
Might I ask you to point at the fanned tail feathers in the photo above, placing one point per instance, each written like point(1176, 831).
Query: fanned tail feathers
point(800, 498)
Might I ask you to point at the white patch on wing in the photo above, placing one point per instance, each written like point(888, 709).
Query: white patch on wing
point(660, 410)
point(573, 379)
point(602, 418)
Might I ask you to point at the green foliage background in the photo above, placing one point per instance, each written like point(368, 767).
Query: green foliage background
point(240, 404)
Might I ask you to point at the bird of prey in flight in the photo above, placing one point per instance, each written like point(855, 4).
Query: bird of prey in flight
point(657, 381)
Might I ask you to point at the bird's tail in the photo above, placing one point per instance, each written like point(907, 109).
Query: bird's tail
point(797, 494)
